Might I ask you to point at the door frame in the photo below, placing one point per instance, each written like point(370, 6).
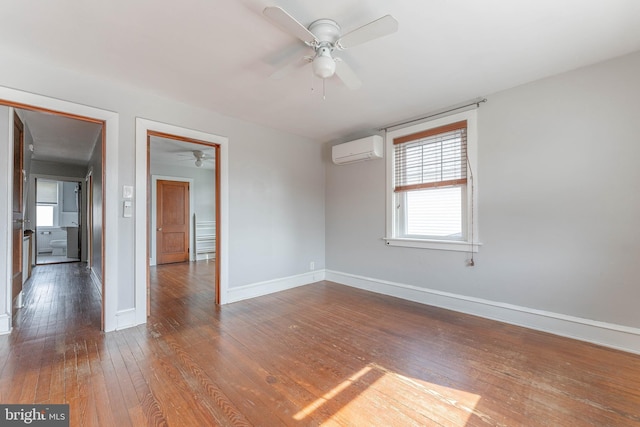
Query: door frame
point(84, 204)
point(144, 129)
point(13, 98)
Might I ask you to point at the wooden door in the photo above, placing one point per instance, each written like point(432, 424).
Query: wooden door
point(17, 208)
point(172, 222)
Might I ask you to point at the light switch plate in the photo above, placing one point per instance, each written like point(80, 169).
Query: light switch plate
point(127, 209)
point(127, 191)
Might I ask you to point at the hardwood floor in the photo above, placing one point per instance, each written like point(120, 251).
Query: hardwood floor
point(318, 354)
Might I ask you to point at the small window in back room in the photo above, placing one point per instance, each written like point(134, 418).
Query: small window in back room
point(46, 202)
point(44, 215)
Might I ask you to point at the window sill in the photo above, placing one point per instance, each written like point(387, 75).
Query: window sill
point(443, 245)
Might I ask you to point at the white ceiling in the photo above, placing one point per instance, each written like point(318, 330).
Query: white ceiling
point(218, 54)
point(174, 152)
point(60, 139)
point(71, 141)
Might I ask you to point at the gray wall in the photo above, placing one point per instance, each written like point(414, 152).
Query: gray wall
point(95, 166)
point(276, 180)
point(277, 201)
point(558, 183)
point(58, 169)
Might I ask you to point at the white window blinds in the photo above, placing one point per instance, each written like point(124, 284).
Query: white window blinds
point(433, 158)
point(47, 192)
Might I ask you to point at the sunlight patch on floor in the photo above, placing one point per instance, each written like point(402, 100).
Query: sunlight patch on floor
point(331, 394)
point(429, 401)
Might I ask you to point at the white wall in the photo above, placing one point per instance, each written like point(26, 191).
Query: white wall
point(276, 181)
point(558, 183)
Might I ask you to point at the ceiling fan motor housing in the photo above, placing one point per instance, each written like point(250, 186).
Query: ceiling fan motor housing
point(325, 30)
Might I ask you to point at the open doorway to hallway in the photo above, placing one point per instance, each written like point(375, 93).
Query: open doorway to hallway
point(60, 152)
point(183, 206)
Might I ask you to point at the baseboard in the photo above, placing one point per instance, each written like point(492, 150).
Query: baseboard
point(205, 257)
point(620, 337)
point(125, 319)
point(5, 324)
point(270, 286)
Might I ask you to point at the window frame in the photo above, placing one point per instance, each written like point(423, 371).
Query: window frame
point(470, 242)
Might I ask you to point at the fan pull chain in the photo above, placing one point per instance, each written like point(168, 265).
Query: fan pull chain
point(324, 91)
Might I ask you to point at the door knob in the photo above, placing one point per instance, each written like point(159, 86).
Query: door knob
point(159, 228)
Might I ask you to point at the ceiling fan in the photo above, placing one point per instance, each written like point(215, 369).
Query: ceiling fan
point(324, 37)
point(199, 157)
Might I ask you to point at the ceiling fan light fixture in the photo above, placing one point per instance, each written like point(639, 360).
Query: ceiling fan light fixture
point(324, 66)
point(199, 155)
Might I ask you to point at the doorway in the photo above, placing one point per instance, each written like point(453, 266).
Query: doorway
point(54, 226)
point(183, 207)
point(59, 224)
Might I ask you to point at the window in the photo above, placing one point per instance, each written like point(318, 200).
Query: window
point(46, 203)
point(47, 192)
point(44, 215)
point(430, 184)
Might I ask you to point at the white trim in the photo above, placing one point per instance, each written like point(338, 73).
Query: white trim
point(444, 245)
point(125, 318)
point(611, 335)
point(5, 324)
point(471, 226)
point(276, 285)
point(110, 189)
point(142, 127)
point(152, 237)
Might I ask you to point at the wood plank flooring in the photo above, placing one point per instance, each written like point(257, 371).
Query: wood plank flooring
point(322, 354)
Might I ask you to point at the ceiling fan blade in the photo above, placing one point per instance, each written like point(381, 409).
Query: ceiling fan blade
point(378, 28)
point(347, 75)
point(289, 67)
point(289, 24)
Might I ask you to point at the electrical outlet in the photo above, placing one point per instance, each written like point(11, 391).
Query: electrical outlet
point(312, 266)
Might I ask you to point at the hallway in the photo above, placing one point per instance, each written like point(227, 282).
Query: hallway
point(59, 299)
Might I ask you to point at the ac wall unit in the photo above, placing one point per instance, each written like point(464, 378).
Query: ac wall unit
point(356, 151)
